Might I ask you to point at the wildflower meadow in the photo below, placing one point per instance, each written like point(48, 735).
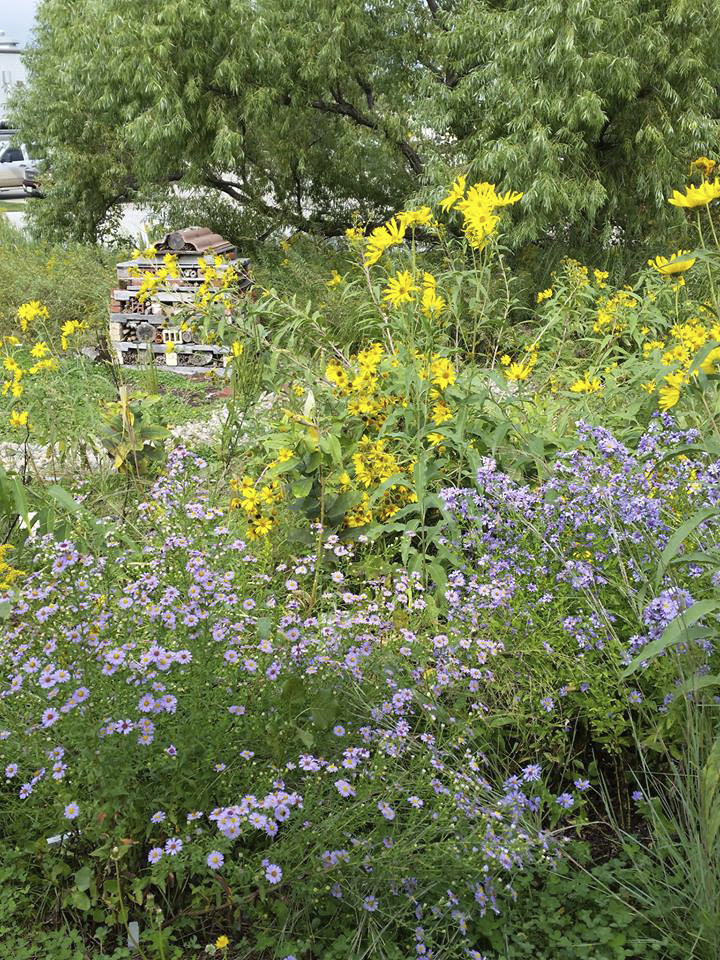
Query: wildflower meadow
point(391, 633)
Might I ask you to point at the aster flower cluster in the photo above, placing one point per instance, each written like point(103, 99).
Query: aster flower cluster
point(553, 574)
point(181, 699)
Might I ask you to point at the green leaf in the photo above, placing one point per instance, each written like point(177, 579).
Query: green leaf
point(680, 535)
point(302, 487)
point(83, 878)
point(80, 900)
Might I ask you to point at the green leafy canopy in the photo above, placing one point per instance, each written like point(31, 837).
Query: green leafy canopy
point(304, 112)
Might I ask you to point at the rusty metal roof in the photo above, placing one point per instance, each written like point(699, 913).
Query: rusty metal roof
point(196, 240)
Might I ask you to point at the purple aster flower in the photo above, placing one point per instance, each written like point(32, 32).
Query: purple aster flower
point(155, 854)
point(215, 860)
point(532, 773)
point(273, 873)
point(370, 904)
point(565, 800)
point(158, 816)
point(71, 811)
point(344, 788)
point(173, 846)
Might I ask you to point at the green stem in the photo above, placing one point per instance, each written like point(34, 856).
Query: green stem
point(709, 271)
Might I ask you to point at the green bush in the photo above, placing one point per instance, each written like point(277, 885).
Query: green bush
point(72, 280)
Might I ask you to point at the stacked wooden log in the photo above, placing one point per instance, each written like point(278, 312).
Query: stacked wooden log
point(142, 324)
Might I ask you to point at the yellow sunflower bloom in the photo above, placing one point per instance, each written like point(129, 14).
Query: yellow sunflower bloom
point(696, 196)
point(400, 289)
point(678, 262)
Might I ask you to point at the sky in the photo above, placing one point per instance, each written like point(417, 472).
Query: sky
point(17, 18)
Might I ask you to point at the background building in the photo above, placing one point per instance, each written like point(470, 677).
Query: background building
point(12, 71)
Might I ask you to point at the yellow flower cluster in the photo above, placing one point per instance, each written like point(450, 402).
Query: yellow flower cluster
point(147, 254)
point(611, 312)
point(402, 289)
point(29, 312)
point(600, 277)
point(151, 282)
point(544, 295)
point(373, 465)
point(704, 164)
point(478, 206)
point(362, 387)
point(587, 384)
point(258, 503)
point(67, 330)
point(577, 273)
point(372, 462)
point(8, 574)
point(688, 338)
point(381, 239)
point(432, 303)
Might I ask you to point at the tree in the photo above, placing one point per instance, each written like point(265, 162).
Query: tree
point(594, 108)
point(305, 112)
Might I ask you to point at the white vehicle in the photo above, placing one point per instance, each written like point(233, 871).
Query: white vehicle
point(14, 161)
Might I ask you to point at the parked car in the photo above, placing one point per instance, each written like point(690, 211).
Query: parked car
point(31, 183)
point(14, 161)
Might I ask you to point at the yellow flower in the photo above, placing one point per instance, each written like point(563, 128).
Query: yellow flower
point(355, 233)
point(260, 527)
point(696, 196)
point(222, 942)
point(457, 192)
point(19, 419)
point(705, 164)
point(416, 218)
point(441, 413)
point(600, 277)
point(544, 295)
point(670, 394)
point(284, 455)
point(711, 361)
point(400, 289)
point(442, 373)
point(519, 371)
point(381, 238)
point(39, 350)
point(649, 387)
point(587, 384)
point(432, 303)
point(505, 360)
point(335, 279)
point(436, 440)
point(678, 262)
point(237, 348)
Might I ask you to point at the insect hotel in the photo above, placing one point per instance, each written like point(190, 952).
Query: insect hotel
point(151, 311)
